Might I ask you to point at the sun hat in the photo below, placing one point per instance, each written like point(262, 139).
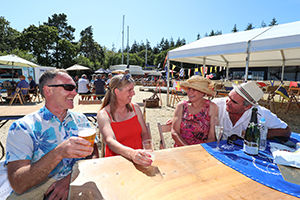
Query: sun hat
point(199, 83)
point(249, 91)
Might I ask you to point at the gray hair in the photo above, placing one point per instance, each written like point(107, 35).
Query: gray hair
point(47, 77)
point(246, 103)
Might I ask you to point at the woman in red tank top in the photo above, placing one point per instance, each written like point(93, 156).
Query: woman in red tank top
point(121, 122)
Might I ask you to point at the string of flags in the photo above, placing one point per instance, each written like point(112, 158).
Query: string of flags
point(204, 70)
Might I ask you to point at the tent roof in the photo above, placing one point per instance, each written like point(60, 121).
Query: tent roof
point(16, 61)
point(77, 67)
point(268, 47)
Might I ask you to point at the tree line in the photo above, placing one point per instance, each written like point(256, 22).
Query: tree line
point(52, 44)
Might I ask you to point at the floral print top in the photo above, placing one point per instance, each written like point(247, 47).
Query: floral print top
point(34, 135)
point(194, 129)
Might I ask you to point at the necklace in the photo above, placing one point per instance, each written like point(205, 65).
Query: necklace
point(122, 119)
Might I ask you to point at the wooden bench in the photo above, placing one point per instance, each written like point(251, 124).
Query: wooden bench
point(86, 102)
point(90, 99)
point(90, 96)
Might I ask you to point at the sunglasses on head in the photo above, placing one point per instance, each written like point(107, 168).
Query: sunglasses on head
point(126, 77)
point(231, 140)
point(67, 87)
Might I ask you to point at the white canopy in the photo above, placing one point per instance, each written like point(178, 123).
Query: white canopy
point(77, 67)
point(269, 46)
point(14, 60)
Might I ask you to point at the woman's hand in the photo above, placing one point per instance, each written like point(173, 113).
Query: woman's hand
point(141, 157)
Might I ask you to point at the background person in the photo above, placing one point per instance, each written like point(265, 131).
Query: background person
point(99, 84)
point(83, 85)
point(22, 84)
point(32, 85)
point(42, 147)
point(236, 111)
point(121, 122)
point(193, 120)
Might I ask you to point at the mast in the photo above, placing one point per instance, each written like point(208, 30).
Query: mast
point(127, 45)
point(123, 41)
point(146, 53)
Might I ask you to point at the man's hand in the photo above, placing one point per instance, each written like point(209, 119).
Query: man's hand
point(59, 189)
point(74, 147)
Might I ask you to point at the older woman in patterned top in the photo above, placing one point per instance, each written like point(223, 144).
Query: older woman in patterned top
point(193, 120)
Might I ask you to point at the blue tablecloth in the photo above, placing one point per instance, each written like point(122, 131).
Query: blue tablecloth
point(259, 168)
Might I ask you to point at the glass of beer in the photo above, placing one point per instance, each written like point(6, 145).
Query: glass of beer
point(87, 130)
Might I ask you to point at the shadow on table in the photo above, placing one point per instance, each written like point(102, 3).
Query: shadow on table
point(151, 171)
point(88, 190)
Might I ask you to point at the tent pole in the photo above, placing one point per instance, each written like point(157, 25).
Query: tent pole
point(204, 60)
point(168, 64)
point(247, 60)
point(283, 64)
point(227, 71)
point(282, 72)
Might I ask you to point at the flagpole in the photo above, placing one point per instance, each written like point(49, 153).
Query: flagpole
point(168, 84)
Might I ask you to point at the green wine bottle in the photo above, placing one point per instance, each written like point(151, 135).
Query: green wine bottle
point(252, 135)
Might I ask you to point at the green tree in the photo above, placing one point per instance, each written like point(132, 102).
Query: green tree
point(8, 36)
point(65, 37)
point(273, 22)
point(40, 41)
point(91, 49)
point(263, 24)
point(134, 47)
point(198, 36)
point(249, 27)
point(234, 30)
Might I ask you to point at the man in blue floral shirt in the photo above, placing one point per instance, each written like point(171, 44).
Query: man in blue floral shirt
point(44, 145)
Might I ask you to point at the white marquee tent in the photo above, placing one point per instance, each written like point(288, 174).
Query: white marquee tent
point(270, 46)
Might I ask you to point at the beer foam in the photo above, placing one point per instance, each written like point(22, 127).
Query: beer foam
point(86, 132)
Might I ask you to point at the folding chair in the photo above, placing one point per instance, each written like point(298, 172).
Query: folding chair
point(163, 128)
point(2, 149)
point(26, 96)
point(1, 99)
point(16, 95)
point(289, 96)
point(37, 95)
point(270, 101)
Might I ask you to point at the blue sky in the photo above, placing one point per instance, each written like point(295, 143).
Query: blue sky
point(151, 19)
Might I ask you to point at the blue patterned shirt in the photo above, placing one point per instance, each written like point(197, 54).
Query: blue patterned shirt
point(34, 135)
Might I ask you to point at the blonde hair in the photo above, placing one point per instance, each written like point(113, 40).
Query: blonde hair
point(117, 82)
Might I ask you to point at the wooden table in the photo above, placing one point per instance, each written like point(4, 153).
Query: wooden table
point(17, 111)
point(177, 173)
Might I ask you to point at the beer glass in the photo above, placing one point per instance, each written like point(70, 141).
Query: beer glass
point(148, 146)
point(87, 130)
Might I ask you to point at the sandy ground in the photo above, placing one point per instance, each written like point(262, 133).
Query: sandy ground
point(162, 113)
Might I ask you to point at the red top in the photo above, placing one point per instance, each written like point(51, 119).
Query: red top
point(127, 132)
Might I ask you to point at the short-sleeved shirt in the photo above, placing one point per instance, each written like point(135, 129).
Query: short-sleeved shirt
point(82, 88)
point(272, 121)
point(36, 134)
point(99, 86)
point(32, 85)
point(23, 84)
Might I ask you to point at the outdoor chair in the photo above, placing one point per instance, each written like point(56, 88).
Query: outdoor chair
point(270, 101)
point(17, 95)
point(1, 99)
point(289, 96)
point(163, 128)
point(37, 95)
point(2, 149)
point(26, 97)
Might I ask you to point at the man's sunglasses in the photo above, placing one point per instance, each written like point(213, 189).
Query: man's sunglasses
point(233, 138)
point(126, 77)
point(68, 87)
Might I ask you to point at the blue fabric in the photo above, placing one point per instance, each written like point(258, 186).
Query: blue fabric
point(259, 168)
